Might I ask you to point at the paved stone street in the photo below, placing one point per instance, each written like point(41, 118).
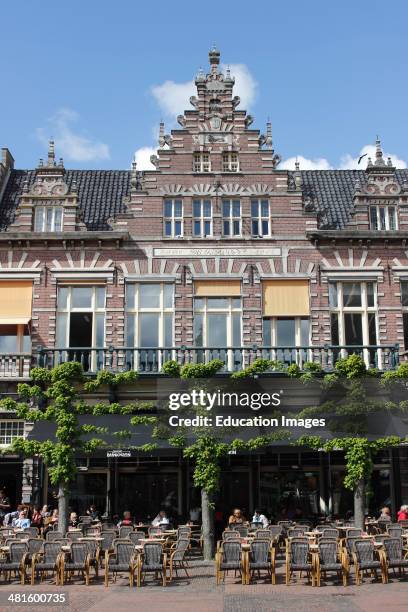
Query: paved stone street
point(200, 594)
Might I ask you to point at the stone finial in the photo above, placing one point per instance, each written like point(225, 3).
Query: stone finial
point(389, 161)
point(51, 153)
point(133, 175)
point(379, 160)
point(268, 140)
point(228, 74)
point(74, 186)
point(369, 162)
point(214, 57)
point(41, 163)
point(297, 165)
point(297, 175)
point(161, 135)
point(200, 75)
point(25, 185)
point(61, 162)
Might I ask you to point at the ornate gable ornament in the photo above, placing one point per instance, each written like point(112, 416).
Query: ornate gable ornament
point(48, 206)
point(381, 180)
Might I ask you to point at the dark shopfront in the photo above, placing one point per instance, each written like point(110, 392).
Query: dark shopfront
point(279, 482)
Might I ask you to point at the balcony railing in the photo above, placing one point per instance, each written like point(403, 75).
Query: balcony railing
point(150, 360)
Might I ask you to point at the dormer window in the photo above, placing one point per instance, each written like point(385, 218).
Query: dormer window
point(230, 162)
point(201, 162)
point(48, 219)
point(383, 218)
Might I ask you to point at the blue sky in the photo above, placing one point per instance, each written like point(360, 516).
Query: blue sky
point(95, 75)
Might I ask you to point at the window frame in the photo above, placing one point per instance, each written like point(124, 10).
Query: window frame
point(94, 309)
point(231, 218)
point(44, 225)
point(364, 310)
point(173, 219)
point(202, 219)
point(386, 207)
point(136, 310)
point(260, 218)
point(11, 437)
point(228, 310)
point(201, 162)
point(230, 162)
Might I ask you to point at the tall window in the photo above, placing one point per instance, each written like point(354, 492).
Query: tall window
point(48, 219)
point(201, 162)
point(173, 218)
point(404, 303)
point(383, 217)
point(81, 323)
point(353, 313)
point(260, 223)
point(202, 218)
point(230, 162)
point(217, 326)
point(231, 217)
point(149, 323)
point(10, 430)
point(288, 333)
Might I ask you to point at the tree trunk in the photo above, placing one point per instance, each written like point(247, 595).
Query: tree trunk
point(62, 508)
point(359, 504)
point(207, 517)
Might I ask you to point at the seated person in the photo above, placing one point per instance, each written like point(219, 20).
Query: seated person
point(403, 513)
point(22, 521)
point(237, 518)
point(73, 520)
point(260, 518)
point(36, 517)
point(93, 512)
point(385, 515)
point(161, 519)
point(11, 516)
point(127, 520)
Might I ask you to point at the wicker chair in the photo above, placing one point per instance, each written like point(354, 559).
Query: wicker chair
point(153, 531)
point(184, 532)
point(32, 532)
point(77, 560)
point(153, 559)
point(53, 535)
point(230, 557)
point(107, 543)
point(297, 560)
point(395, 531)
point(263, 534)
point(122, 559)
point(16, 561)
point(394, 556)
point(242, 530)
point(295, 532)
point(73, 536)
point(89, 532)
point(261, 556)
point(136, 536)
point(124, 531)
point(177, 558)
point(20, 535)
point(353, 532)
point(85, 519)
point(47, 561)
point(365, 558)
point(330, 559)
point(330, 532)
point(94, 553)
point(230, 534)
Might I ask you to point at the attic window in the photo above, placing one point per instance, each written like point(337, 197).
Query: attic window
point(383, 218)
point(48, 219)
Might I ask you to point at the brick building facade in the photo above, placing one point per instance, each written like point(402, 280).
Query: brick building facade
point(215, 253)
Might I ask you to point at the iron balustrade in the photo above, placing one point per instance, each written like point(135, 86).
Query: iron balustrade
point(150, 360)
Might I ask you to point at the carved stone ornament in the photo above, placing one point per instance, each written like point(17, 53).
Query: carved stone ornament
point(49, 187)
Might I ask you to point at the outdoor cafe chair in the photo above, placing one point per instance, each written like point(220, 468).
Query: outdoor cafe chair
point(152, 531)
point(183, 532)
point(53, 535)
point(91, 531)
point(394, 556)
point(263, 534)
point(33, 532)
point(15, 561)
point(48, 560)
point(136, 536)
point(76, 560)
point(329, 532)
point(85, 519)
point(353, 532)
point(395, 531)
point(242, 530)
point(73, 536)
point(152, 559)
point(230, 557)
point(21, 535)
point(122, 559)
point(125, 530)
point(330, 559)
point(230, 534)
point(367, 558)
point(107, 542)
point(261, 556)
point(295, 532)
point(298, 560)
point(177, 559)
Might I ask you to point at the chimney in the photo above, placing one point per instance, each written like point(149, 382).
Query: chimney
point(6, 166)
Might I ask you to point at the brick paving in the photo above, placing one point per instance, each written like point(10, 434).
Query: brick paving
point(200, 594)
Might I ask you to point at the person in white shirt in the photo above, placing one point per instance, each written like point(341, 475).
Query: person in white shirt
point(260, 518)
point(161, 519)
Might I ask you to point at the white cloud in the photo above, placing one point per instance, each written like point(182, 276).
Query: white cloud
point(319, 163)
point(173, 98)
point(347, 162)
point(142, 158)
point(71, 145)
